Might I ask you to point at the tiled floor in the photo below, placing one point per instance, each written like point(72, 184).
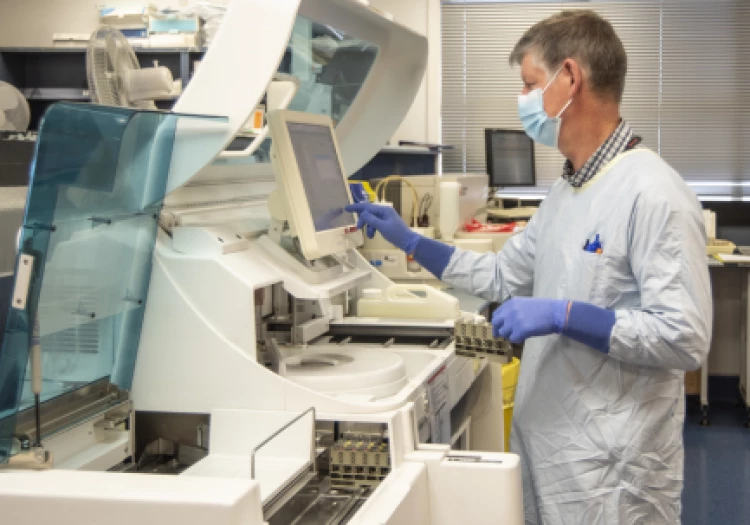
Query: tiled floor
point(717, 466)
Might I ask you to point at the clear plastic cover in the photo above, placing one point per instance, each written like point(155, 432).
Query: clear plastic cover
point(97, 185)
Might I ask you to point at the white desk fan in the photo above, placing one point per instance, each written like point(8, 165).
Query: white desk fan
point(115, 76)
point(14, 109)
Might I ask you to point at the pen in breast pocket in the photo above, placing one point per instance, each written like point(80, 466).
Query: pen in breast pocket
point(593, 247)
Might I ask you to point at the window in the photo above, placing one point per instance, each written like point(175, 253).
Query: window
point(687, 89)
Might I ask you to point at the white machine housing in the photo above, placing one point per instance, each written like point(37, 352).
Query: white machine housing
point(228, 305)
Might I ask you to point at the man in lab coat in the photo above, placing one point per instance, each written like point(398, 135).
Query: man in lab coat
point(607, 286)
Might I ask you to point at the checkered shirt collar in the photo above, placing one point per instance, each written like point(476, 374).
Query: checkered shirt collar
point(613, 146)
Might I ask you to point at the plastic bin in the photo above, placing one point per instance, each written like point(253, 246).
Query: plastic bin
point(510, 380)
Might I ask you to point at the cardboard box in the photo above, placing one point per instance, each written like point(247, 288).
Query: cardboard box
point(173, 23)
point(126, 17)
point(693, 383)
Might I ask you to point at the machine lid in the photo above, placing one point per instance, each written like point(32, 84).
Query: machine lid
point(98, 181)
point(352, 63)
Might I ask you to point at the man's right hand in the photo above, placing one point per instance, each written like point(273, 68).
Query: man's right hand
point(385, 220)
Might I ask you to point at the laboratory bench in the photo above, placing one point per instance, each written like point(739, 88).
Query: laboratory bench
point(740, 308)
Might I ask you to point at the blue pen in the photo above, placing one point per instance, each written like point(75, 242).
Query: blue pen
point(592, 247)
point(596, 245)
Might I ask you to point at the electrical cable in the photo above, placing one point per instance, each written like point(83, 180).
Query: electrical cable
point(384, 183)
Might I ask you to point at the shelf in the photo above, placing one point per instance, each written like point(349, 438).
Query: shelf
point(42, 49)
point(51, 74)
point(170, 50)
point(55, 94)
point(83, 50)
point(411, 150)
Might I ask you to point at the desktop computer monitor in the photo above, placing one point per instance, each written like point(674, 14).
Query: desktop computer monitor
point(312, 181)
point(510, 158)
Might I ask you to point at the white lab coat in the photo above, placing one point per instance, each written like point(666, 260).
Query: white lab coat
point(600, 435)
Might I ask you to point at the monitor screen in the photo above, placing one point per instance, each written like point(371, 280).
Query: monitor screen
point(510, 158)
point(321, 174)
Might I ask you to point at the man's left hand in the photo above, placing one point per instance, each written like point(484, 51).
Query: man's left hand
point(520, 318)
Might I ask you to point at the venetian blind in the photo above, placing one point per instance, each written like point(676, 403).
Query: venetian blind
point(686, 93)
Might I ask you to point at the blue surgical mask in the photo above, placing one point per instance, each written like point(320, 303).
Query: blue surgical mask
point(538, 125)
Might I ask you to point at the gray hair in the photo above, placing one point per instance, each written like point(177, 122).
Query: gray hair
point(584, 36)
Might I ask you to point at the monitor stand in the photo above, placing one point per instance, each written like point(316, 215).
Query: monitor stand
point(291, 245)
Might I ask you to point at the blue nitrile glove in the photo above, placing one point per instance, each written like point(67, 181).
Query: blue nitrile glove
point(523, 317)
point(386, 221)
point(433, 255)
point(590, 325)
point(519, 318)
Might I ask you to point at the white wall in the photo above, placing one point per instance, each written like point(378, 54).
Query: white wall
point(423, 16)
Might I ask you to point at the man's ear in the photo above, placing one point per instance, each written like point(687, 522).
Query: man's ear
point(574, 74)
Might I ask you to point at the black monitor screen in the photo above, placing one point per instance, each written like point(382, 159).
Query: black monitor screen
point(321, 175)
point(510, 158)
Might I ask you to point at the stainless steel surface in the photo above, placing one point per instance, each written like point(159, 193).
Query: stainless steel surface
point(180, 429)
point(161, 447)
point(291, 491)
point(310, 498)
point(292, 421)
point(316, 504)
point(165, 457)
point(115, 419)
point(327, 510)
point(398, 331)
point(74, 407)
point(357, 430)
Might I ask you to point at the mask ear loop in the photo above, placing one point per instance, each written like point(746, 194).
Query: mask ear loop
point(551, 80)
point(549, 84)
point(564, 108)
